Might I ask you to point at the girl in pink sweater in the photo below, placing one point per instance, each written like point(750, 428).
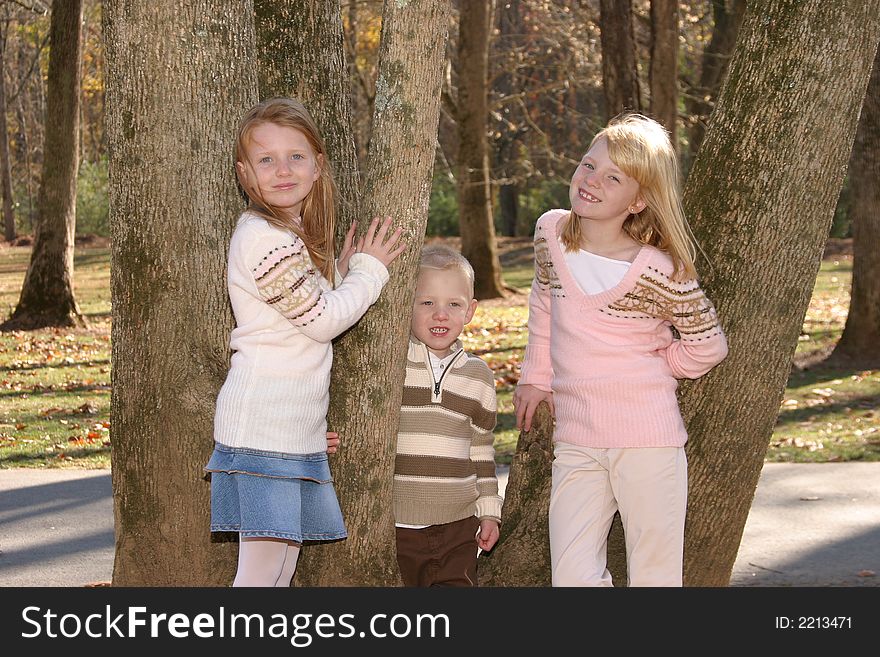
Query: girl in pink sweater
point(616, 315)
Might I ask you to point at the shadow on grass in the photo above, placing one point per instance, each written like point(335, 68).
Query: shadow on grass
point(26, 460)
point(41, 366)
point(813, 413)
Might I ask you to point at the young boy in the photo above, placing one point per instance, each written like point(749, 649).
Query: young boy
point(445, 489)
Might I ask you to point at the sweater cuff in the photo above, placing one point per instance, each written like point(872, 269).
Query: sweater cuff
point(537, 368)
point(370, 265)
point(490, 507)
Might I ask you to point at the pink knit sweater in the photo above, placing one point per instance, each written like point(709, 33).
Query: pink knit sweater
point(611, 359)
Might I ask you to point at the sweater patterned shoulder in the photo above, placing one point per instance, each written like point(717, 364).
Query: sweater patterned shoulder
point(287, 281)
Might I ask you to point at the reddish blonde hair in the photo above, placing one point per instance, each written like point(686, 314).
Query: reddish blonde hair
point(319, 208)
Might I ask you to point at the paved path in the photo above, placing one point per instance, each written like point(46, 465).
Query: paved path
point(810, 525)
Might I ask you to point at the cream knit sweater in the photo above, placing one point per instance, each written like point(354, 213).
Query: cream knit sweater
point(275, 396)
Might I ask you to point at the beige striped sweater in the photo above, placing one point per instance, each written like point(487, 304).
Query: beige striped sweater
point(445, 465)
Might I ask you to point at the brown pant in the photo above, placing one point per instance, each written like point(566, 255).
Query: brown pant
point(439, 555)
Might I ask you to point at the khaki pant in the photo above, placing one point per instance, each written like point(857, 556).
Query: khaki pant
point(439, 555)
point(649, 488)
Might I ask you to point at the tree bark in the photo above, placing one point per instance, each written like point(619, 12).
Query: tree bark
point(700, 100)
point(5, 169)
point(507, 53)
point(173, 106)
point(364, 408)
point(301, 54)
point(782, 130)
point(664, 65)
point(47, 297)
point(860, 342)
point(476, 224)
point(619, 68)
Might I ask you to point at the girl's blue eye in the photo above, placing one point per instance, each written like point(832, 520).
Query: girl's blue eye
point(588, 165)
point(297, 156)
point(615, 178)
point(265, 160)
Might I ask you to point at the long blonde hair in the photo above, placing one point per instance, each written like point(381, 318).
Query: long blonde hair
point(641, 148)
point(319, 209)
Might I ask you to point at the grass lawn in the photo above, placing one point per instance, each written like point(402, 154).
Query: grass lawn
point(55, 384)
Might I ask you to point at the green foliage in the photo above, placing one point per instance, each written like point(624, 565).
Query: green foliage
point(443, 207)
point(536, 200)
point(841, 225)
point(92, 201)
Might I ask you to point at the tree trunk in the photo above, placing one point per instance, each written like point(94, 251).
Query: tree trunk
point(301, 54)
point(173, 106)
point(699, 102)
point(775, 139)
point(783, 128)
point(5, 168)
point(508, 200)
point(619, 69)
point(47, 293)
point(474, 192)
point(860, 342)
point(664, 65)
point(507, 53)
point(369, 360)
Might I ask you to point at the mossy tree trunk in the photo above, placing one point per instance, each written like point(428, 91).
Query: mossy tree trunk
point(760, 199)
point(369, 360)
point(173, 105)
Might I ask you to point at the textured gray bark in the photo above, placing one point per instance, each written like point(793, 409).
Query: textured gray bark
point(47, 297)
point(783, 128)
point(369, 360)
point(173, 105)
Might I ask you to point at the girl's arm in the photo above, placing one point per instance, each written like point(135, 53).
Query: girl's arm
point(702, 344)
point(537, 367)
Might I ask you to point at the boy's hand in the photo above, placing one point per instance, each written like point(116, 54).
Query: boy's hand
point(488, 535)
point(526, 398)
point(332, 442)
point(349, 248)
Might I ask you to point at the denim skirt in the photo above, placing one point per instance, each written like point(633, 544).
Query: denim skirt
point(272, 494)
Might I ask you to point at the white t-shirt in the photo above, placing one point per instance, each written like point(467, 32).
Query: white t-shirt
point(595, 273)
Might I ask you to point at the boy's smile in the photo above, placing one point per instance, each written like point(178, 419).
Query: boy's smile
point(441, 308)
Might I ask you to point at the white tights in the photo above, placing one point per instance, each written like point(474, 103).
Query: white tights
point(265, 562)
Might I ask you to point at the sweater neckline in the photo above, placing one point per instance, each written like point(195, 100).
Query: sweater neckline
point(602, 298)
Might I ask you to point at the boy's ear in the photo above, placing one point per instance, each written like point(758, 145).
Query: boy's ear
point(472, 307)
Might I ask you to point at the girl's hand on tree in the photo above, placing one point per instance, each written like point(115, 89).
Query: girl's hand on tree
point(332, 442)
point(375, 244)
point(348, 249)
point(526, 398)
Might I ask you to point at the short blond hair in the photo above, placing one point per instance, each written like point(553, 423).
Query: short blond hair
point(439, 256)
